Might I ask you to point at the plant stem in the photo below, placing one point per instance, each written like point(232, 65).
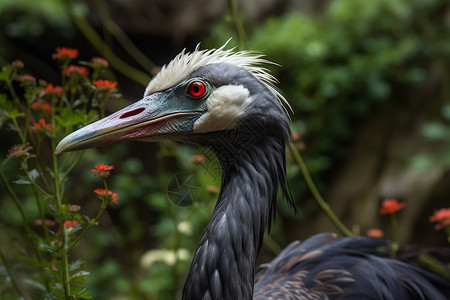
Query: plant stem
point(237, 23)
point(77, 160)
point(41, 213)
point(10, 275)
point(65, 260)
point(394, 246)
point(315, 192)
point(93, 37)
point(13, 92)
point(41, 172)
point(21, 135)
point(272, 245)
point(90, 224)
point(22, 215)
point(122, 38)
point(64, 250)
point(14, 197)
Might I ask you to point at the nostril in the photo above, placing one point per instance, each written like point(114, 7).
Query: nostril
point(132, 113)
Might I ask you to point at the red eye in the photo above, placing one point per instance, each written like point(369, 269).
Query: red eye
point(196, 89)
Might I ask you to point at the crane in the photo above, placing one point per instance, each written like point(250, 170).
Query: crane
point(226, 101)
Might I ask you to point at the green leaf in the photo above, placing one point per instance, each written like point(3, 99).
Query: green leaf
point(69, 118)
point(22, 181)
point(35, 284)
point(83, 294)
point(47, 248)
point(33, 174)
point(80, 274)
point(5, 73)
point(76, 265)
point(75, 229)
point(7, 108)
point(53, 209)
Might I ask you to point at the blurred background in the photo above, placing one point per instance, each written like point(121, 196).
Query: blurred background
point(368, 82)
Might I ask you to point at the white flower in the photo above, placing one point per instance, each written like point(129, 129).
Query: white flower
point(166, 256)
point(185, 227)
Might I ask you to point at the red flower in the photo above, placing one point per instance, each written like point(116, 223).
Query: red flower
point(70, 224)
point(41, 126)
point(375, 233)
point(105, 193)
point(64, 53)
point(441, 216)
point(72, 69)
point(52, 90)
point(45, 106)
point(101, 170)
point(105, 85)
point(390, 206)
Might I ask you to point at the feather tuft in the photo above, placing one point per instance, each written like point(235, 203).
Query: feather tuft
point(185, 63)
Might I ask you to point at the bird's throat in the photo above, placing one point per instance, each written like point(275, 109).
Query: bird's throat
point(224, 263)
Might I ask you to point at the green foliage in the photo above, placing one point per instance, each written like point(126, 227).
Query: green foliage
point(40, 223)
point(28, 18)
point(337, 68)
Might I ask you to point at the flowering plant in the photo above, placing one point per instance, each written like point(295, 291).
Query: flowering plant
point(442, 219)
point(40, 114)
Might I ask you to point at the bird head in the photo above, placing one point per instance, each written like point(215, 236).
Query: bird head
point(195, 96)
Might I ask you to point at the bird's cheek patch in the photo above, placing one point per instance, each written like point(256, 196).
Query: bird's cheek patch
point(224, 107)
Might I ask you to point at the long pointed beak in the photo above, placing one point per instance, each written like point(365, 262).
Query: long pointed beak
point(143, 118)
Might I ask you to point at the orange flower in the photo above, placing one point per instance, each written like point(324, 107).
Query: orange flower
point(442, 217)
point(199, 158)
point(102, 167)
point(375, 233)
point(105, 85)
point(41, 126)
point(45, 106)
point(64, 53)
point(295, 137)
point(105, 193)
point(52, 90)
point(101, 170)
point(72, 70)
point(390, 206)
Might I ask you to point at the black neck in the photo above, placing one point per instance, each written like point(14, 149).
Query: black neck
point(223, 265)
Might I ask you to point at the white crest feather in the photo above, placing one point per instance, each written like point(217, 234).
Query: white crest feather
point(185, 63)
